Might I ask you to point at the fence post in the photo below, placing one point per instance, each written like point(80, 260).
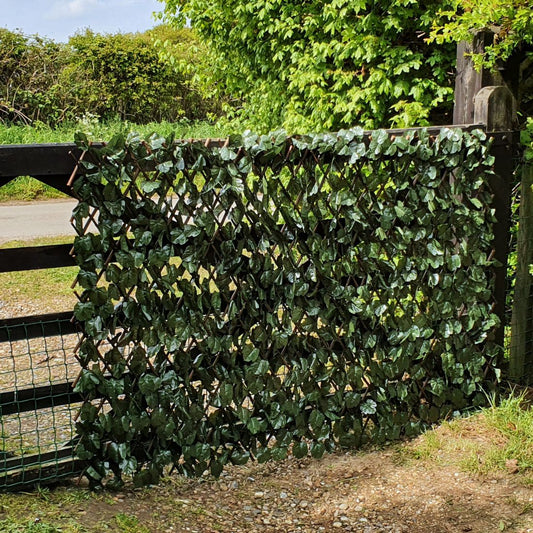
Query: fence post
point(493, 107)
point(485, 97)
point(468, 80)
point(521, 359)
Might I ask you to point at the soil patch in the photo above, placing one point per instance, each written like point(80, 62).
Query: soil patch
point(379, 491)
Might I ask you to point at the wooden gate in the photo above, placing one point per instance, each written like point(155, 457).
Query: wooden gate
point(37, 366)
point(38, 407)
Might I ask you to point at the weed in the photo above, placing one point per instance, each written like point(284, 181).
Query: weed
point(429, 446)
point(44, 493)
point(130, 524)
point(7, 526)
point(524, 507)
point(70, 496)
point(527, 481)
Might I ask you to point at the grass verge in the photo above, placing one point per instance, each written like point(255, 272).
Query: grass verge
point(37, 291)
point(499, 439)
point(27, 189)
point(103, 131)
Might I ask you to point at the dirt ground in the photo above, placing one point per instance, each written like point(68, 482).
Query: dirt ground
point(378, 491)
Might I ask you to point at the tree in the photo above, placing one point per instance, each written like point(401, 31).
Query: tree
point(123, 75)
point(317, 64)
point(510, 20)
point(110, 75)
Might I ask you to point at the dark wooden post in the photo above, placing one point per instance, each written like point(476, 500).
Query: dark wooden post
point(493, 107)
point(521, 359)
point(468, 80)
point(485, 97)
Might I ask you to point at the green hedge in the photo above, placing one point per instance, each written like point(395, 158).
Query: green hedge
point(123, 76)
point(279, 295)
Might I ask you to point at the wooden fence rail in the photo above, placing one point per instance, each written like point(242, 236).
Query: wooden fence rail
point(22, 404)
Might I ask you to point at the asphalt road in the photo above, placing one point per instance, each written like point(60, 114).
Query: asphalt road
point(26, 221)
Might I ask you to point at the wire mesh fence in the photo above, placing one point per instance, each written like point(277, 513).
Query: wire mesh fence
point(520, 294)
point(37, 402)
point(37, 367)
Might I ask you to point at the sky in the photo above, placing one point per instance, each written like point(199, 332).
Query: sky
point(59, 19)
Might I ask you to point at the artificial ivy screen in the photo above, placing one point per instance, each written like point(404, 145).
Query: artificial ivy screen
point(274, 295)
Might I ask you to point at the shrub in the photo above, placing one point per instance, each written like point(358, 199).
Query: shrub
point(110, 76)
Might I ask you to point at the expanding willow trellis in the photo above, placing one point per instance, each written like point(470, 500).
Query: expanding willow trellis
point(54, 164)
point(279, 294)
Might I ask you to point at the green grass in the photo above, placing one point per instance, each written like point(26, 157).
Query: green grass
point(43, 511)
point(103, 131)
point(29, 527)
point(48, 288)
point(498, 439)
point(130, 524)
point(511, 424)
point(25, 188)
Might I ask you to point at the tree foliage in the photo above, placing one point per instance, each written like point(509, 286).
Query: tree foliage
point(30, 68)
point(511, 49)
point(318, 64)
point(121, 75)
point(511, 21)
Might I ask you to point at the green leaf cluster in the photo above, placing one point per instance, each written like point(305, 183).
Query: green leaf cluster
point(279, 295)
point(510, 20)
point(526, 139)
point(317, 65)
point(30, 69)
point(507, 28)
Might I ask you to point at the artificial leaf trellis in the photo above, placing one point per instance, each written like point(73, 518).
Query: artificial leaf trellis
point(272, 295)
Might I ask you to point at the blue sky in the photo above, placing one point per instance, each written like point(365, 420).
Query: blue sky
point(58, 19)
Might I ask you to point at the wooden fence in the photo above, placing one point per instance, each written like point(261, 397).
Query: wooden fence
point(36, 368)
point(54, 165)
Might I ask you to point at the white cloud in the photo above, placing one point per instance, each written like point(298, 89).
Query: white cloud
point(73, 8)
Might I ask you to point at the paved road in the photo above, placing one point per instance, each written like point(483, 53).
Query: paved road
point(25, 221)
